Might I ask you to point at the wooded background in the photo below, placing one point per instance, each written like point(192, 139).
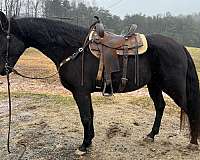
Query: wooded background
point(184, 28)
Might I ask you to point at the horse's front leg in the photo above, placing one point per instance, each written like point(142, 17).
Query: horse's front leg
point(84, 103)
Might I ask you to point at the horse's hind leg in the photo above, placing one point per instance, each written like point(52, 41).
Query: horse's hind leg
point(159, 103)
point(180, 98)
point(84, 103)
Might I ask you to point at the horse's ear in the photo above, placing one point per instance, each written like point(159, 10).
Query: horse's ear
point(3, 21)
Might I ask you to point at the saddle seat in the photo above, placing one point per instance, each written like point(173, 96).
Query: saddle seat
point(113, 40)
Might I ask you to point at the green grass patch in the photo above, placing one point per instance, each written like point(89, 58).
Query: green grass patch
point(32, 98)
point(42, 98)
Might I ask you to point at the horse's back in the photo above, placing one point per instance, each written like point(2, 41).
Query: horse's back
point(167, 50)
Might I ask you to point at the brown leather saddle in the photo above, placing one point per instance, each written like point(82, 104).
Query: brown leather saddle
point(108, 47)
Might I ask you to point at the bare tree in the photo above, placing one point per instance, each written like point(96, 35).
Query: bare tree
point(17, 7)
point(1, 6)
point(11, 7)
point(6, 6)
point(43, 8)
point(35, 6)
point(27, 7)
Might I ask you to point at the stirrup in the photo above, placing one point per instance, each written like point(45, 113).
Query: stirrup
point(107, 89)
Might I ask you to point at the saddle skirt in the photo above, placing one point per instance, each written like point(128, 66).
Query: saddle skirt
point(117, 43)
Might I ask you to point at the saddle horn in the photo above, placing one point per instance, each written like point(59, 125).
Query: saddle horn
point(97, 18)
point(99, 28)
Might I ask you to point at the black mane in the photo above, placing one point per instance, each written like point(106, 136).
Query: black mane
point(50, 31)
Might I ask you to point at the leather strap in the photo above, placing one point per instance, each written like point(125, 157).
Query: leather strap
point(136, 64)
point(124, 72)
point(107, 60)
point(107, 83)
point(100, 70)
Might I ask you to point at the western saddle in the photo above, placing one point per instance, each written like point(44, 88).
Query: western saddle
point(107, 47)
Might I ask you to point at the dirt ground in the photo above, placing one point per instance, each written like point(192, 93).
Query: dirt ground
point(46, 123)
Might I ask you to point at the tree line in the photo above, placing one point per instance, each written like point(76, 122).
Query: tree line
point(185, 29)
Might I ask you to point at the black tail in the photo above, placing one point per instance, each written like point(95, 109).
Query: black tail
point(193, 97)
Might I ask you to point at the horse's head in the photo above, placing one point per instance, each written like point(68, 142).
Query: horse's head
point(16, 47)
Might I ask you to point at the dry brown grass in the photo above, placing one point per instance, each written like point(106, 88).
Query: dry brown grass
point(33, 62)
point(36, 58)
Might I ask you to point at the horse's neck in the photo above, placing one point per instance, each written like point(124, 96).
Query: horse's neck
point(55, 52)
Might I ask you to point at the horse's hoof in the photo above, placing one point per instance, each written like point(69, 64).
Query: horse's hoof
point(80, 153)
point(193, 147)
point(148, 139)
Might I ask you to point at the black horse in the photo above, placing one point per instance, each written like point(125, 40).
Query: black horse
point(166, 66)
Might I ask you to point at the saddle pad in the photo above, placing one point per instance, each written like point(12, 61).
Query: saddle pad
point(95, 47)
